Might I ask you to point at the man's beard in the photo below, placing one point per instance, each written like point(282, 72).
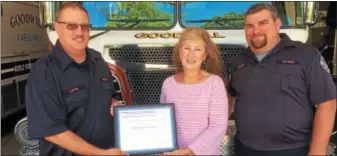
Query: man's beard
point(260, 44)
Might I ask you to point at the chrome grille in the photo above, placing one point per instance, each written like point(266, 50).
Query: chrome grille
point(146, 85)
point(227, 52)
point(133, 53)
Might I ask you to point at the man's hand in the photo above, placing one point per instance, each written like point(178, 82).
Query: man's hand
point(185, 151)
point(113, 151)
point(72, 142)
point(114, 102)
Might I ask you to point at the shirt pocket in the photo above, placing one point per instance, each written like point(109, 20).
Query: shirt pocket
point(75, 97)
point(290, 86)
point(109, 91)
point(289, 79)
point(108, 86)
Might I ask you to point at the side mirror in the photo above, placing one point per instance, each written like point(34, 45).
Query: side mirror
point(311, 16)
point(47, 13)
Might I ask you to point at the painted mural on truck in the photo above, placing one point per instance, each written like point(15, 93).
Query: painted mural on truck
point(161, 15)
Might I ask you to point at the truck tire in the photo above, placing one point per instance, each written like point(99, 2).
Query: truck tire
point(21, 134)
point(331, 149)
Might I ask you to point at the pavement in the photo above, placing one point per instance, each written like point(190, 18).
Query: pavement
point(9, 144)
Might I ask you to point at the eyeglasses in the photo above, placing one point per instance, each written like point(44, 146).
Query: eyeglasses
point(73, 26)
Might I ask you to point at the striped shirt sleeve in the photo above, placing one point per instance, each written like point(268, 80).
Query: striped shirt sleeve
point(209, 141)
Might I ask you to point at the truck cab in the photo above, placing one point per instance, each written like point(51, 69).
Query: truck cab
point(139, 36)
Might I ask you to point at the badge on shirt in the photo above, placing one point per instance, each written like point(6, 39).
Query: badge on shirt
point(76, 88)
point(240, 66)
point(324, 65)
point(73, 90)
point(290, 62)
point(105, 79)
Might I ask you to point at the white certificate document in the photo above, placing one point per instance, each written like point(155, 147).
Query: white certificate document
point(146, 129)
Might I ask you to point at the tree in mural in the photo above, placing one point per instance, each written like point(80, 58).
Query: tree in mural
point(137, 14)
point(229, 20)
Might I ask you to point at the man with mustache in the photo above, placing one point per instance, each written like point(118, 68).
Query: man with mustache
point(69, 93)
point(285, 98)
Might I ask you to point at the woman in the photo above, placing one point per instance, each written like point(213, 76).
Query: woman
point(199, 95)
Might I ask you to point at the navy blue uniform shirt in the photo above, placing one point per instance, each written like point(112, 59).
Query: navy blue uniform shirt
point(275, 98)
point(64, 95)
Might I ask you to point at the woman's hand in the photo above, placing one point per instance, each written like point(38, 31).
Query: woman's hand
point(114, 102)
point(185, 151)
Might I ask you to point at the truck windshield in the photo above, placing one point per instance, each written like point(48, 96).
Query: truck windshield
point(131, 15)
point(230, 15)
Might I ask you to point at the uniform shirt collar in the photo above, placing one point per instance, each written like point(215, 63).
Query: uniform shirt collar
point(64, 60)
point(285, 42)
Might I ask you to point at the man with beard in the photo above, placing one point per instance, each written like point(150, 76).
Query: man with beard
point(285, 99)
point(69, 93)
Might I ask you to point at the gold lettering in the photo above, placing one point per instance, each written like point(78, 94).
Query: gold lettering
point(166, 35)
point(176, 35)
point(169, 35)
point(216, 35)
point(153, 35)
point(139, 35)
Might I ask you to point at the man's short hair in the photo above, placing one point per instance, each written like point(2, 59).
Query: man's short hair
point(262, 6)
point(66, 5)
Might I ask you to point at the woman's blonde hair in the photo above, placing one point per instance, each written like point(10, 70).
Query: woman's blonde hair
point(213, 63)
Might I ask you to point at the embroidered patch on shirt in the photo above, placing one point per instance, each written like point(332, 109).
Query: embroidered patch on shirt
point(105, 79)
point(287, 62)
point(324, 65)
point(240, 66)
point(76, 88)
point(72, 90)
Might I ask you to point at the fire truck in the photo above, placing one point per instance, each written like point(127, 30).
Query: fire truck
point(137, 38)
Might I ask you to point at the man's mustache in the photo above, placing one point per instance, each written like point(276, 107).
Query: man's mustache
point(258, 35)
point(78, 37)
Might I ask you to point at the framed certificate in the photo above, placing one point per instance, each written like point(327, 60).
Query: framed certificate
point(145, 129)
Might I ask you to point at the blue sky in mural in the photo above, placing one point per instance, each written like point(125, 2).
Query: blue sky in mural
point(97, 18)
point(207, 10)
point(193, 11)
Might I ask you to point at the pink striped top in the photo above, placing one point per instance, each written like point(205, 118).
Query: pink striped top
point(201, 113)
